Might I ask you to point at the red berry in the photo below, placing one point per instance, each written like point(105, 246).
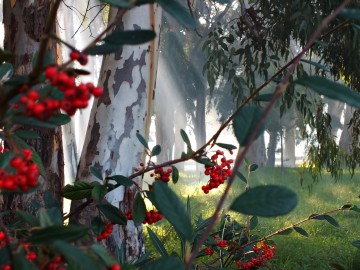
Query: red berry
point(115, 267)
point(97, 91)
point(75, 55)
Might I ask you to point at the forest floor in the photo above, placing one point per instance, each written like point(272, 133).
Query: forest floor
point(326, 244)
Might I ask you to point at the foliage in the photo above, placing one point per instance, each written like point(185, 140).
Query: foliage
point(40, 239)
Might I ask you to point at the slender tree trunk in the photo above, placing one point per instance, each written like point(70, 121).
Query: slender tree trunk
point(200, 125)
point(180, 123)
point(289, 153)
point(128, 79)
point(257, 152)
point(271, 150)
point(24, 22)
point(345, 138)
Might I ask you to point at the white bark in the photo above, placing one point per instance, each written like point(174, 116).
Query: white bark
point(128, 79)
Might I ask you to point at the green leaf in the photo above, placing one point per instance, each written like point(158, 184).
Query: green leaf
point(97, 225)
point(6, 72)
point(27, 134)
point(157, 243)
point(45, 220)
point(241, 176)
point(205, 161)
point(50, 234)
point(119, 3)
point(121, 180)
point(168, 263)
point(130, 37)
point(167, 202)
point(245, 122)
point(350, 13)
point(142, 140)
point(331, 220)
point(80, 190)
point(59, 119)
point(29, 218)
point(20, 262)
point(265, 201)
point(301, 231)
point(33, 122)
point(254, 221)
point(139, 208)
point(179, 12)
point(5, 158)
point(175, 174)
point(156, 150)
point(226, 146)
point(112, 213)
point(286, 231)
point(102, 49)
point(101, 252)
point(263, 97)
point(96, 172)
point(316, 64)
point(98, 192)
point(185, 138)
point(356, 244)
point(331, 89)
point(253, 167)
point(75, 256)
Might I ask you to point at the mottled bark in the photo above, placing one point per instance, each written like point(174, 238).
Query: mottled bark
point(24, 23)
point(128, 79)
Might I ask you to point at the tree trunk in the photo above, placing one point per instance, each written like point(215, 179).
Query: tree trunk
point(289, 153)
point(128, 79)
point(271, 150)
point(335, 109)
point(345, 138)
point(24, 23)
point(199, 121)
point(257, 152)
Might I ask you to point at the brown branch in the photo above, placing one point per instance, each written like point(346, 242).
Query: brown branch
point(280, 89)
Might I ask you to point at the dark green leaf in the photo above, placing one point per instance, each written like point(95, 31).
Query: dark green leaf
point(30, 121)
point(285, 232)
point(168, 263)
point(156, 150)
point(253, 167)
point(223, 1)
point(97, 225)
point(5, 158)
point(167, 202)
point(226, 146)
point(253, 222)
point(205, 161)
point(331, 220)
point(20, 262)
point(112, 213)
point(263, 97)
point(59, 119)
point(356, 244)
point(57, 232)
point(55, 215)
point(142, 140)
point(265, 201)
point(101, 252)
point(185, 138)
point(301, 231)
point(350, 13)
point(99, 192)
point(29, 218)
point(75, 256)
point(6, 72)
point(331, 89)
point(157, 243)
point(119, 3)
point(130, 37)
point(80, 190)
point(179, 12)
point(316, 64)
point(245, 123)
point(27, 134)
point(139, 209)
point(241, 176)
point(102, 49)
point(96, 172)
point(121, 180)
point(175, 174)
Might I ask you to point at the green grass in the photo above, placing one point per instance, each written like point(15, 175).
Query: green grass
point(326, 244)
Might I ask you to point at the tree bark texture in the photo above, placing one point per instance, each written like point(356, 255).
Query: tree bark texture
point(128, 78)
point(24, 22)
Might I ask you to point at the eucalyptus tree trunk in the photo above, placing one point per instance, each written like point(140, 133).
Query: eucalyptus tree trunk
point(289, 152)
point(24, 22)
point(128, 79)
point(346, 134)
point(271, 149)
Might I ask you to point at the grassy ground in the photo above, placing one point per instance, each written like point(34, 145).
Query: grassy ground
point(326, 244)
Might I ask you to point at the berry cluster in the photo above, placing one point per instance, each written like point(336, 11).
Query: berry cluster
point(209, 251)
point(25, 176)
point(264, 253)
point(222, 243)
point(162, 175)
point(56, 264)
point(30, 255)
point(106, 232)
point(150, 218)
point(219, 244)
point(80, 57)
point(2, 239)
point(219, 172)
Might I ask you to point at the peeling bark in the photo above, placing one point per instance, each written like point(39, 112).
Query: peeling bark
point(24, 24)
point(111, 145)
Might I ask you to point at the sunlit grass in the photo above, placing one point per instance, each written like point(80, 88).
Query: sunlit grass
point(326, 244)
